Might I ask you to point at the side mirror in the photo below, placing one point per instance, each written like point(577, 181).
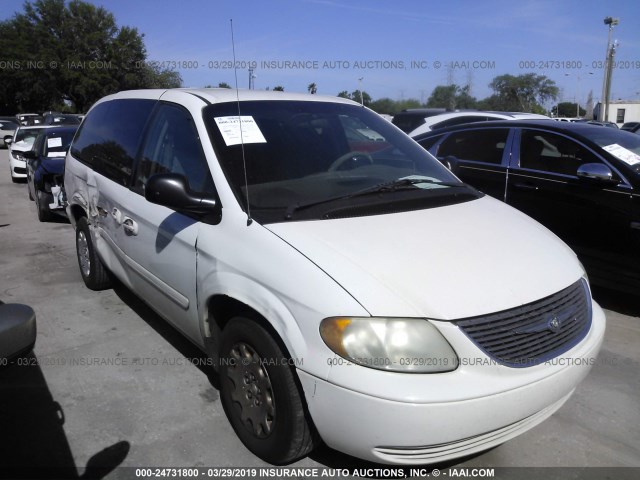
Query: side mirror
point(8, 141)
point(17, 330)
point(172, 190)
point(595, 172)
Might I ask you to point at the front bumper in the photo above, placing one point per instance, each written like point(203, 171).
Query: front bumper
point(18, 167)
point(422, 431)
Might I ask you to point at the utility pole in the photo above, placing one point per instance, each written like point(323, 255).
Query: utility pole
point(608, 66)
point(251, 79)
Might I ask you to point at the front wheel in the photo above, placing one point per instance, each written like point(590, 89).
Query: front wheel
point(260, 395)
point(42, 204)
point(94, 274)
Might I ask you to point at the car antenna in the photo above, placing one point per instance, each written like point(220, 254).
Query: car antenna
point(244, 162)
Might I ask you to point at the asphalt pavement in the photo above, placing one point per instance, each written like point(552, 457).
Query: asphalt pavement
point(111, 387)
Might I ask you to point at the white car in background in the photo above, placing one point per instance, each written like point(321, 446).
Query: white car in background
point(457, 118)
point(22, 141)
point(7, 130)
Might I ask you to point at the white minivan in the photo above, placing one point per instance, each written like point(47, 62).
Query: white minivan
point(348, 288)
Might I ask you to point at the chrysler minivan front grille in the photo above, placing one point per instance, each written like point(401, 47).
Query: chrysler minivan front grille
point(536, 332)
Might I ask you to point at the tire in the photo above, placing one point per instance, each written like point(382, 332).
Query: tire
point(30, 194)
point(261, 396)
point(42, 205)
point(94, 274)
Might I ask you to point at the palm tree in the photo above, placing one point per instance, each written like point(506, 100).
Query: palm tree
point(312, 88)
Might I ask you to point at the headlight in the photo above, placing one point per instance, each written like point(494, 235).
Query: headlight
point(393, 344)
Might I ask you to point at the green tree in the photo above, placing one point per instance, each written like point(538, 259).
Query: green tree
point(443, 96)
point(72, 53)
point(355, 96)
point(391, 107)
point(522, 93)
point(278, 88)
point(451, 97)
point(224, 85)
point(363, 97)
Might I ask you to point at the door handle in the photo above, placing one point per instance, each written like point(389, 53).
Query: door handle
point(525, 186)
point(130, 226)
point(117, 215)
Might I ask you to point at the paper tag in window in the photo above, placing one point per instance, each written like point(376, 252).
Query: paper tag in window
point(230, 130)
point(54, 142)
point(624, 154)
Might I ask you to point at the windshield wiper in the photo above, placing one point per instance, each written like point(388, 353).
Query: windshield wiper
point(399, 184)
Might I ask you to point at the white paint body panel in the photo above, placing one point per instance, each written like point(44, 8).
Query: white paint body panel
point(443, 264)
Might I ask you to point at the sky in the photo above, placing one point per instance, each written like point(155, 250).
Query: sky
point(398, 49)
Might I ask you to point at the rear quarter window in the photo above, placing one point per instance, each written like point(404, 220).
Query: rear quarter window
point(110, 136)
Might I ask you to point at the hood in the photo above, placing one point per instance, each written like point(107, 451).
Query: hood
point(444, 263)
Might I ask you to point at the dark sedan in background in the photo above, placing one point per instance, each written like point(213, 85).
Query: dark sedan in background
point(45, 169)
point(581, 181)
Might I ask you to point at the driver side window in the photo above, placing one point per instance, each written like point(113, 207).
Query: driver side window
point(553, 153)
point(173, 146)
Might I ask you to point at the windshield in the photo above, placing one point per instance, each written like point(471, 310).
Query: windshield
point(56, 143)
point(605, 137)
point(625, 146)
point(25, 137)
point(314, 154)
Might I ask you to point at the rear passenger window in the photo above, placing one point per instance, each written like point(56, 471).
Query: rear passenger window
point(110, 135)
point(173, 146)
point(484, 145)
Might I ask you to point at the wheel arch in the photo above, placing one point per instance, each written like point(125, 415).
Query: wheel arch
point(75, 212)
point(260, 305)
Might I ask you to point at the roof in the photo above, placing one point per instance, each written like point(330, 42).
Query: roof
point(221, 95)
point(580, 128)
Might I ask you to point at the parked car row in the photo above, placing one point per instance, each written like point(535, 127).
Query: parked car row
point(580, 180)
point(399, 277)
point(36, 155)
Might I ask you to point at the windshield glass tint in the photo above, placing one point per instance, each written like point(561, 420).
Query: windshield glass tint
point(299, 153)
point(612, 139)
point(56, 144)
point(26, 136)
point(609, 136)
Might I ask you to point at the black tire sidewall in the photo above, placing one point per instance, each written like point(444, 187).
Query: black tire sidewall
point(276, 447)
point(98, 278)
point(44, 213)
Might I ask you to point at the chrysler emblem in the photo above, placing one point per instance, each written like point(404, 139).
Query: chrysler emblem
point(554, 324)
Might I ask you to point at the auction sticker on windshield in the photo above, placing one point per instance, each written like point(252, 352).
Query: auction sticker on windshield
point(54, 142)
point(231, 133)
point(627, 156)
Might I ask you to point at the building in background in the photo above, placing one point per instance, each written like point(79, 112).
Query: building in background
point(620, 111)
